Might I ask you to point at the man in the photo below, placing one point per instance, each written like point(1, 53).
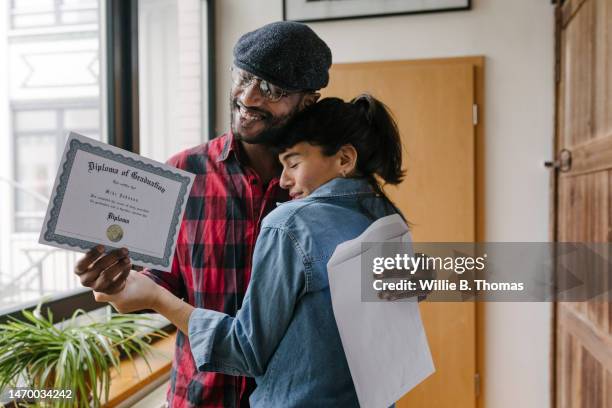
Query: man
point(277, 71)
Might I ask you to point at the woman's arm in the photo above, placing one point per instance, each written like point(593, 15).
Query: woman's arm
point(219, 342)
point(142, 293)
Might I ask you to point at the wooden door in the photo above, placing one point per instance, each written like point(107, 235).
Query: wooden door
point(432, 102)
point(584, 194)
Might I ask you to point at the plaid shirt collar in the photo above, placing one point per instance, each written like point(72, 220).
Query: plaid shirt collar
point(231, 146)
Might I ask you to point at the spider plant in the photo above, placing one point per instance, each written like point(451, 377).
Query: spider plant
point(71, 355)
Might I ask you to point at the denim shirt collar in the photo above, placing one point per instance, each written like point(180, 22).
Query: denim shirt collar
point(342, 187)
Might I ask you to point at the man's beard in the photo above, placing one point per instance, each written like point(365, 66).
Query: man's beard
point(273, 130)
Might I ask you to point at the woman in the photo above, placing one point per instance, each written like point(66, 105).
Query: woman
point(285, 334)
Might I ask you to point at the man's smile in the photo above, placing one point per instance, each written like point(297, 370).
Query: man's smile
point(248, 116)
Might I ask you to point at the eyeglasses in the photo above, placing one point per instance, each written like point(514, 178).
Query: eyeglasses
point(273, 93)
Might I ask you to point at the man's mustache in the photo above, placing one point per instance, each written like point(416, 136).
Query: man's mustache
point(259, 111)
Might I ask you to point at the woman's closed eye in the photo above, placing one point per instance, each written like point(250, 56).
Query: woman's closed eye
point(294, 165)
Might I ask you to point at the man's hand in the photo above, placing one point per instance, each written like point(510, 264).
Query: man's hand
point(104, 273)
point(138, 293)
point(419, 276)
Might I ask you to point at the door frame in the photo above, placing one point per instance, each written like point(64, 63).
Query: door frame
point(553, 188)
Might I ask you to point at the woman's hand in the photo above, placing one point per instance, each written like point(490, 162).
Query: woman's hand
point(139, 293)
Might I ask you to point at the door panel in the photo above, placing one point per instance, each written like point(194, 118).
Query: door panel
point(432, 102)
point(583, 213)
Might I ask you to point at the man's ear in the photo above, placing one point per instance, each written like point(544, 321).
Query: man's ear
point(309, 99)
point(348, 159)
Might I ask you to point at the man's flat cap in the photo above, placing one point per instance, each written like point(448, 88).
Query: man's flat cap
point(286, 54)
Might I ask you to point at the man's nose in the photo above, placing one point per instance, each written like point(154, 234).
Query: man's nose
point(251, 95)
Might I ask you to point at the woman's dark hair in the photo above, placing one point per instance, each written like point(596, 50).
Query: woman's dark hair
point(364, 122)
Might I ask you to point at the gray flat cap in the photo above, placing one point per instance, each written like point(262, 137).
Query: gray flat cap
point(287, 54)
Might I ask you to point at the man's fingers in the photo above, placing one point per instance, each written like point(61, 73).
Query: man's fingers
point(109, 259)
point(94, 276)
point(88, 278)
point(117, 283)
point(115, 288)
point(106, 267)
point(109, 276)
point(89, 258)
point(395, 295)
point(127, 267)
point(89, 268)
point(405, 274)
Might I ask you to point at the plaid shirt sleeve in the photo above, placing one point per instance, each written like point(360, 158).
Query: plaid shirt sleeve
point(212, 263)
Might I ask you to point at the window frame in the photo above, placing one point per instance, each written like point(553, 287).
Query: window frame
point(122, 73)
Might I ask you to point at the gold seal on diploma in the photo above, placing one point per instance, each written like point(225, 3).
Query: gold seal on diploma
point(114, 233)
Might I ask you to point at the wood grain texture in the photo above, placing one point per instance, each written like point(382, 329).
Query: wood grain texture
point(569, 10)
point(134, 375)
point(577, 58)
point(584, 197)
point(585, 355)
point(602, 70)
point(592, 338)
point(595, 155)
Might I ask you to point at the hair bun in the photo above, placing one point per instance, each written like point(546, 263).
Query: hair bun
point(366, 105)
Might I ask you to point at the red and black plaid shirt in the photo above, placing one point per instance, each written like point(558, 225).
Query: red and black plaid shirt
point(212, 262)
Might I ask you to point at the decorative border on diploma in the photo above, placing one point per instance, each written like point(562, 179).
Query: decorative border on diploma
point(76, 145)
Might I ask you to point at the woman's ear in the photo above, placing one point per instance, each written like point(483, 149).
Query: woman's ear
point(347, 156)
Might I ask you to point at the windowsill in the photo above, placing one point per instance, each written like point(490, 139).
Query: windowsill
point(135, 375)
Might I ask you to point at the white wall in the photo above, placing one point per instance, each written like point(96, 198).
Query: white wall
point(517, 39)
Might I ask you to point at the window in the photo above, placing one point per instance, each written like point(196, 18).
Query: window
point(40, 132)
point(52, 50)
point(75, 65)
point(46, 13)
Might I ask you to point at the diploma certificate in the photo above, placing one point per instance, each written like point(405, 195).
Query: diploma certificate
point(109, 196)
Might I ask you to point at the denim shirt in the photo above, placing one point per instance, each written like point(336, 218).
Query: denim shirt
point(285, 335)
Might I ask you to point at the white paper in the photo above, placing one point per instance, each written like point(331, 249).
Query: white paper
point(106, 195)
point(384, 342)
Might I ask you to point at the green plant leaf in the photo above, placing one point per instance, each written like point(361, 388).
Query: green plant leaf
point(79, 355)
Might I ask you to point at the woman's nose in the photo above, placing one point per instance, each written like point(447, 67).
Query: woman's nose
point(285, 181)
